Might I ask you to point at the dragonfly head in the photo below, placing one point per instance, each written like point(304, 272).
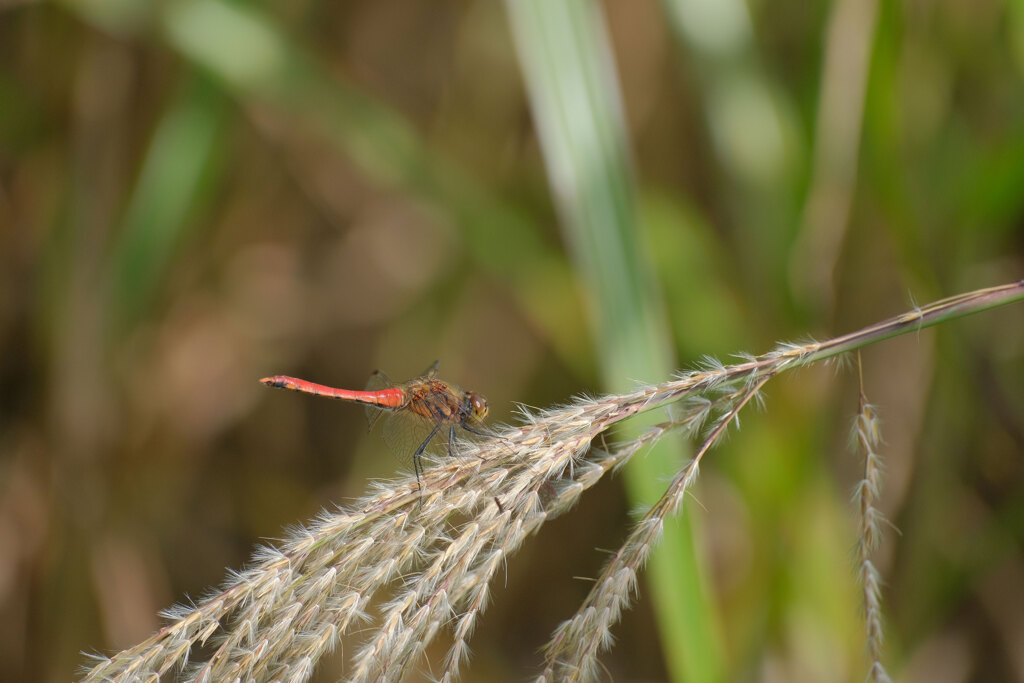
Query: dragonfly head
point(477, 406)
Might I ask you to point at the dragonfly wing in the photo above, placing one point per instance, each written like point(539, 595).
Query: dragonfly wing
point(431, 372)
point(404, 432)
point(378, 380)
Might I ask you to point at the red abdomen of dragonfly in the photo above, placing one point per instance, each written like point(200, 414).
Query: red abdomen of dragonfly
point(393, 398)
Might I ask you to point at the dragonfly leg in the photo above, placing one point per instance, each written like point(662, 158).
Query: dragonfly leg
point(417, 467)
point(451, 440)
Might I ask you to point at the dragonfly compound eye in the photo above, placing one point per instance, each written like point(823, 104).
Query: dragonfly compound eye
point(478, 404)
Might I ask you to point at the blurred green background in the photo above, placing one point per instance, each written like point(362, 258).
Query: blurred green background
point(549, 198)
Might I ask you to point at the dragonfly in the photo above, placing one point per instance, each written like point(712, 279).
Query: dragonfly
point(424, 405)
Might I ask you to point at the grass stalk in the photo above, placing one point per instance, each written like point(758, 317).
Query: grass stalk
point(868, 491)
point(437, 558)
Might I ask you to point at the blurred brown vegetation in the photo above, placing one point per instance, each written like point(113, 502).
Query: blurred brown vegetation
point(194, 195)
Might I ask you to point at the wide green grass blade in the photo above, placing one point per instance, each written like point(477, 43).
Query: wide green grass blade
point(566, 59)
point(176, 176)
